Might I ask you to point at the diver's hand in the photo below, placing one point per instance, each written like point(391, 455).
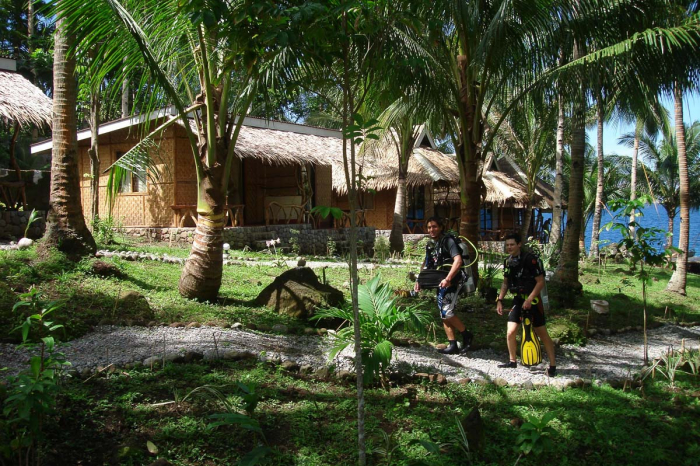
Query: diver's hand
point(499, 308)
point(416, 287)
point(445, 283)
point(527, 304)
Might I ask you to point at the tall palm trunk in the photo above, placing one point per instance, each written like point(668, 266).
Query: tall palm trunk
point(469, 181)
point(598, 206)
point(633, 180)
point(94, 154)
point(201, 276)
point(125, 95)
point(671, 221)
point(567, 269)
point(555, 231)
point(678, 279)
point(527, 220)
point(65, 225)
point(396, 235)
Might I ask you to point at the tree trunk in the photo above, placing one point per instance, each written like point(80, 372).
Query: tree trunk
point(555, 229)
point(671, 220)
point(65, 225)
point(633, 181)
point(93, 152)
point(396, 235)
point(527, 220)
point(201, 276)
point(567, 270)
point(125, 95)
point(598, 206)
point(30, 48)
point(678, 279)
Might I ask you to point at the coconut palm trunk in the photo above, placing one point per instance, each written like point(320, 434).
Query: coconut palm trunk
point(527, 220)
point(94, 155)
point(555, 231)
point(567, 270)
point(470, 181)
point(598, 207)
point(678, 279)
point(671, 221)
point(396, 235)
point(201, 276)
point(633, 178)
point(65, 225)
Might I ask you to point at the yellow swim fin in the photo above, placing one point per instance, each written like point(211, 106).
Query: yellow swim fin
point(530, 350)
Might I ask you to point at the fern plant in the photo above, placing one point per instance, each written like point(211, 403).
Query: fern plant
point(380, 318)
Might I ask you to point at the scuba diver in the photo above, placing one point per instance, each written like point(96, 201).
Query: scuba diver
point(524, 276)
point(444, 251)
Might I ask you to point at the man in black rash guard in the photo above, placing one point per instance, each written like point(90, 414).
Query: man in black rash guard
point(446, 251)
point(523, 276)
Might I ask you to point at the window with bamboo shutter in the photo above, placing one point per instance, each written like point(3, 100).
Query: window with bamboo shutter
point(134, 182)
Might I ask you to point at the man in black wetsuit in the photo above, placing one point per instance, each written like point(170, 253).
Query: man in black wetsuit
point(445, 251)
point(523, 276)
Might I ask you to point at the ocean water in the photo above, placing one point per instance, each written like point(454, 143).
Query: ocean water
point(654, 216)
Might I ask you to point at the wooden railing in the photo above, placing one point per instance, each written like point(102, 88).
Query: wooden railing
point(277, 213)
point(234, 214)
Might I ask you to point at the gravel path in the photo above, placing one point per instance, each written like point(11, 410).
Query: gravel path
point(611, 358)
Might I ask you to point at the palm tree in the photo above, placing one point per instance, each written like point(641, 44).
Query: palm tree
point(65, 223)
point(482, 52)
point(660, 167)
point(202, 59)
point(526, 137)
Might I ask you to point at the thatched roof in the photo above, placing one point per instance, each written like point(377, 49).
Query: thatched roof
point(284, 147)
point(23, 102)
point(500, 188)
point(543, 191)
point(425, 167)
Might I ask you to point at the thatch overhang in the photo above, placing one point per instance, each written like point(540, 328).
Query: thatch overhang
point(543, 190)
point(23, 102)
point(501, 190)
point(426, 166)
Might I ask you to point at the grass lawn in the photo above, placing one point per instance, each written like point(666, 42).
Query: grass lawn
point(306, 421)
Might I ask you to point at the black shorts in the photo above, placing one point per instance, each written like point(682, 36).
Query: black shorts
point(537, 310)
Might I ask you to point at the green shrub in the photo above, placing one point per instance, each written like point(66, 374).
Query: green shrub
point(382, 249)
point(380, 318)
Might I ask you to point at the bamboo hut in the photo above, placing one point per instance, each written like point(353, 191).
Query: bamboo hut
point(21, 104)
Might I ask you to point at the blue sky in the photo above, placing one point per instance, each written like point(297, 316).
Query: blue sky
point(611, 133)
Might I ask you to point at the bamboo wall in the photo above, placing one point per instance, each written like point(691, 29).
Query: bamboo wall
point(145, 209)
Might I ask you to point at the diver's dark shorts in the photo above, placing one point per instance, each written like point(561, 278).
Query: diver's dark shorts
point(515, 314)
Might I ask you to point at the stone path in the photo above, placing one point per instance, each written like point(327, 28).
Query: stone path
point(612, 358)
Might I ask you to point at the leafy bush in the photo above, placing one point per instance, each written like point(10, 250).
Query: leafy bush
point(382, 249)
point(104, 230)
point(31, 394)
point(380, 318)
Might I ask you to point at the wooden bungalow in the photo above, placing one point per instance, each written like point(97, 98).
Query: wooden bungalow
point(282, 171)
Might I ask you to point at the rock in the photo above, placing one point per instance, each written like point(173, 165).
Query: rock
point(323, 373)
point(133, 305)
point(309, 331)
point(290, 366)
point(346, 375)
point(161, 462)
point(297, 292)
point(177, 325)
point(153, 361)
point(193, 325)
point(105, 269)
point(322, 331)
point(301, 262)
point(237, 325)
point(528, 385)
point(474, 429)
point(251, 326)
point(191, 356)
point(306, 369)
point(24, 243)
point(440, 379)
point(500, 382)
point(280, 328)
point(464, 381)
